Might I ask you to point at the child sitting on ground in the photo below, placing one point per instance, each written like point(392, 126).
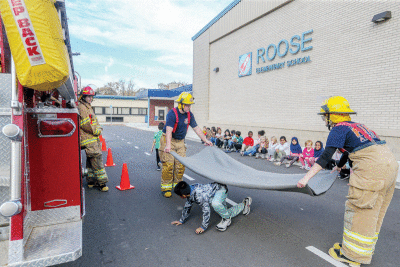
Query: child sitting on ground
point(227, 137)
point(156, 144)
point(307, 155)
point(295, 151)
point(253, 150)
point(230, 142)
point(237, 142)
point(204, 195)
point(220, 138)
point(282, 149)
point(248, 142)
point(213, 137)
point(272, 147)
point(318, 150)
point(263, 148)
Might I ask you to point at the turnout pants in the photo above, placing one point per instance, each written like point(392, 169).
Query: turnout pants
point(172, 171)
point(94, 164)
point(219, 204)
point(372, 185)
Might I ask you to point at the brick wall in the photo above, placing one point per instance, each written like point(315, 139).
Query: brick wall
point(351, 56)
point(159, 103)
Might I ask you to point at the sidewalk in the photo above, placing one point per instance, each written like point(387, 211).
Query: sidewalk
point(191, 135)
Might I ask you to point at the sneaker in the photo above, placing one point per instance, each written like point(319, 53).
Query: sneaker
point(271, 159)
point(263, 156)
point(337, 255)
point(158, 168)
point(103, 188)
point(247, 202)
point(278, 163)
point(257, 155)
point(288, 165)
point(307, 168)
point(227, 151)
point(241, 153)
point(302, 167)
point(224, 224)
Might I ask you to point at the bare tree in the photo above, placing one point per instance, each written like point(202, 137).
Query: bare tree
point(118, 88)
point(165, 86)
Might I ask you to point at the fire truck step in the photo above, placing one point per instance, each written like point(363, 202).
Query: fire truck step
point(54, 244)
point(3, 252)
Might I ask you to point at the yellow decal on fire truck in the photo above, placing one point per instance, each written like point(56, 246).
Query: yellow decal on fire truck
point(37, 43)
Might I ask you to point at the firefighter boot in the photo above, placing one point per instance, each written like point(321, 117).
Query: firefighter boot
point(337, 255)
point(103, 188)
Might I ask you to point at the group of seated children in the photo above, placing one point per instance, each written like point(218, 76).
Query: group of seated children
point(261, 147)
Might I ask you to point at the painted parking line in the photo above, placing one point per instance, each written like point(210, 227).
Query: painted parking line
point(227, 200)
point(325, 256)
point(129, 143)
point(136, 147)
point(188, 177)
point(122, 139)
point(147, 153)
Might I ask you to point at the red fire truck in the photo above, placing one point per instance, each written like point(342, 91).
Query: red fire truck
point(41, 194)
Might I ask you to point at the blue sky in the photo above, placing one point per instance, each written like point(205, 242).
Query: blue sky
point(148, 41)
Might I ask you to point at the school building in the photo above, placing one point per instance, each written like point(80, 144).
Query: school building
point(147, 106)
point(270, 64)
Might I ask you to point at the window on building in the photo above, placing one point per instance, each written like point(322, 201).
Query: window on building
point(134, 111)
point(98, 110)
point(142, 111)
point(116, 119)
point(125, 111)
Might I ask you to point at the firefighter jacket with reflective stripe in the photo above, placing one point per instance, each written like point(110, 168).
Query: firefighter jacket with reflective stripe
point(89, 126)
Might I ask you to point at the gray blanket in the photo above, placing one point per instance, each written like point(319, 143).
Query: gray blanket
point(214, 164)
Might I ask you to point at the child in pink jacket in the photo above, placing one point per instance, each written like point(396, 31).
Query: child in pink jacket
point(307, 155)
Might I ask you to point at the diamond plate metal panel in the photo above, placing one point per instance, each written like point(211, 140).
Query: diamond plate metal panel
point(4, 197)
point(5, 148)
point(5, 90)
point(55, 244)
point(16, 251)
point(53, 216)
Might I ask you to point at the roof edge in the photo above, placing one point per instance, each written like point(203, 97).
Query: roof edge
point(214, 20)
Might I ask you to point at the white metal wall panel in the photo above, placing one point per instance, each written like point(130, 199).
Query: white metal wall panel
point(351, 56)
point(203, 70)
point(242, 13)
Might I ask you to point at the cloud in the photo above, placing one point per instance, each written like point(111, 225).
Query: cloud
point(154, 35)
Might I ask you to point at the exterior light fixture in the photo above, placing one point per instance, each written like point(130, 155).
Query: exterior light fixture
point(382, 16)
point(216, 69)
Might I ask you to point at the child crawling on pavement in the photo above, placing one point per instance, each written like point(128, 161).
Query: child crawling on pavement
point(204, 195)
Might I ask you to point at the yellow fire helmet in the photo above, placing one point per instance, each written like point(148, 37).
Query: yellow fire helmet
point(185, 98)
point(337, 108)
point(336, 104)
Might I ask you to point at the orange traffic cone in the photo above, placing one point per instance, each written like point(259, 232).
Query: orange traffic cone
point(125, 183)
point(103, 145)
point(101, 138)
point(110, 162)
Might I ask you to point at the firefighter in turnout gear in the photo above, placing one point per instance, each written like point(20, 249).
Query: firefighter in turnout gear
point(371, 185)
point(90, 130)
point(173, 139)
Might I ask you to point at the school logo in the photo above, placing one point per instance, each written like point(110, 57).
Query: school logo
point(245, 64)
